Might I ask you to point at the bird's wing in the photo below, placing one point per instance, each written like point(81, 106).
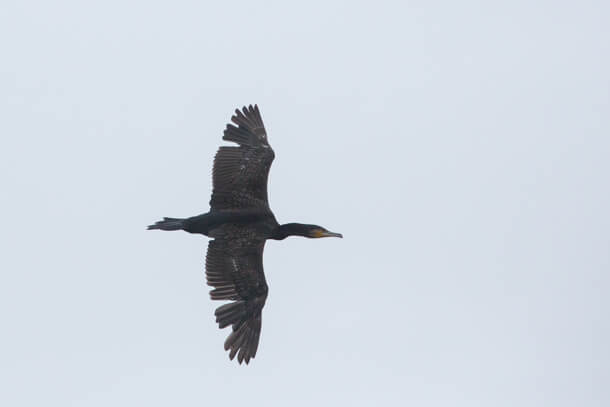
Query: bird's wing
point(240, 173)
point(234, 267)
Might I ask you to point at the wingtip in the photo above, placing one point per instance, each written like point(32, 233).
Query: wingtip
point(246, 109)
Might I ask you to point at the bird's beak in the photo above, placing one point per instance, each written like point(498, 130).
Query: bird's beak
point(331, 234)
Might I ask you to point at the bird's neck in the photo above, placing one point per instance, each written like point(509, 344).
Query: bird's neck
point(290, 229)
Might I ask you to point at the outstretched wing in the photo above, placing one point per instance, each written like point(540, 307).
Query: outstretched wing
point(240, 173)
point(235, 269)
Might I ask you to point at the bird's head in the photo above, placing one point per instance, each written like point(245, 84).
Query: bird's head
point(315, 231)
point(302, 229)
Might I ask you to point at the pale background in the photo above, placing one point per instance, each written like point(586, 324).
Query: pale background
point(462, 148)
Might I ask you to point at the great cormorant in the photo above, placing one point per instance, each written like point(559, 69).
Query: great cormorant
point(240, 221)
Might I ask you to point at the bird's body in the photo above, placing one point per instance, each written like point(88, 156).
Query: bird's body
point(240, 222)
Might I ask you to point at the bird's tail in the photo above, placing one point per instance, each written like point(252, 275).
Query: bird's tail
point(168, 224)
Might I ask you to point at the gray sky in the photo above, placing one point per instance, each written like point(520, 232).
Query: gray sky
point(462, 148)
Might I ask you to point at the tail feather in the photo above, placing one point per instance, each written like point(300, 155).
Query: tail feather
point(168, 224)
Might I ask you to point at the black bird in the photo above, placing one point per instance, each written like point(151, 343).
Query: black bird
point(240, 221)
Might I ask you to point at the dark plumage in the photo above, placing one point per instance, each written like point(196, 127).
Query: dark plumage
point(240, 221)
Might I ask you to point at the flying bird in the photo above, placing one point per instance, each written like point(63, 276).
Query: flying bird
point(240, 221)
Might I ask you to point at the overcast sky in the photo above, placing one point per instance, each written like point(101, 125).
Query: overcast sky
point(462, 148)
